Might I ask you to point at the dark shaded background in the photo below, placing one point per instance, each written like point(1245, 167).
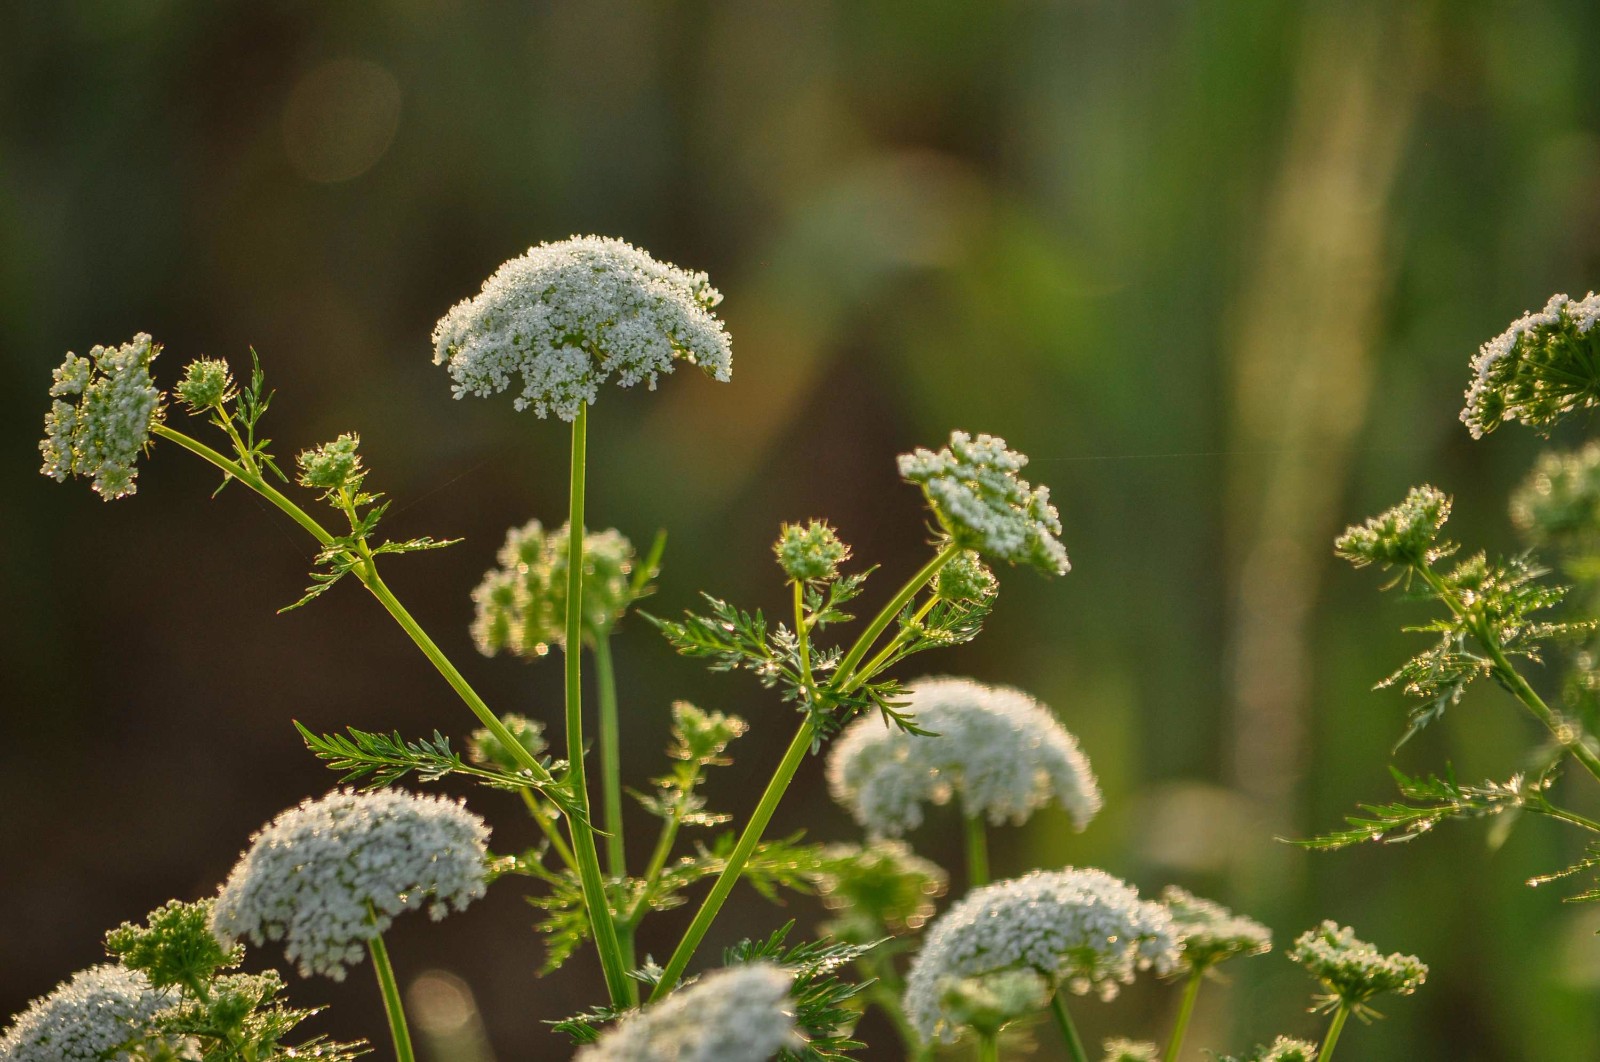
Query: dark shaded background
point(1218, 266)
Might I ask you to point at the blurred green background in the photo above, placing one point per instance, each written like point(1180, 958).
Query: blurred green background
point(1218, 266)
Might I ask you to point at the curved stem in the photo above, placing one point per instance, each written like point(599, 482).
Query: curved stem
point(1569, 816)
point(977, 852)
point(1185, 1010)
point(1069, 1031)
point(610, 757)
point(391, 1000)
point(622, 988)
point(1334, 1029)
point(844, 679)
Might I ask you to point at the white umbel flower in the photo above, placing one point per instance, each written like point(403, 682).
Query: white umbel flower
point(106, 424)
point(568, 316)
point(1081, 928)
point(998, 749)
point(740, 1014)
point(983, 504)
point(1539, 368)
point(329, 875)
point(99, 1015)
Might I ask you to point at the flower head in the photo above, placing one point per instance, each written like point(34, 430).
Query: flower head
point(487, 750)
point(522, 604)
point(568, 316)
point(101, 432)
point(1283, 1049)
point(334, 466)
point(101, 1014)
point(1119, 1050)
point(1081, 928)
point(1405, 535)
point(206, 384)
point(984, 505)
point(328, 876)
point(1559, 503)
point(989, 1002)
point(1211, 933)
point(965, 578)
point(810, 552)
point(738, 1014)
point(1538, 370)
point(1352, 970)
point(998, 749)
point(877, 889)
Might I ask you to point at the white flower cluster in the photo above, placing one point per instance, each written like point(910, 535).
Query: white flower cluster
point(567, 316)
point(1352, 970)
point(1119, 1050)
point(740, 1014)
point(102, 432)
point(980, 500)
point(1285, 1049)
point(331, 874)
point(96, 1016)
point(1211, 933)
point(997, 748)
point(1082, 928)
point(1496, 394)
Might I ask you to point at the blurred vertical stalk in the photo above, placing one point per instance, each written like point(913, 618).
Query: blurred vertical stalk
point(1301, 361)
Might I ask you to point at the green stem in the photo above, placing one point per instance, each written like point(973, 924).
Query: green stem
point(548, 828)
point(1569, 816)
point(988, 1047)
point(1185, 1011)
point(844, 679)
point(881, 659)
point(610, 757)
point(1069, 1031)
point(884, 990)
point(1333, 1033)
point(663, 850)
point(391, 1000)
point(977, 852)
point(622, 988)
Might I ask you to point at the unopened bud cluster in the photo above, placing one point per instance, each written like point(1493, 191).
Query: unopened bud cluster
point(521, 605)
point(810, 552)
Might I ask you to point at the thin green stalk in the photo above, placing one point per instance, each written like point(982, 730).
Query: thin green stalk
point(623, 989)
point(391, 1000)
point(610, 757)
point(977, 852)
point(988, 1047)
point(884, 989)
point(847, 667)
point(548, 828)
point(1069, 1031)
point(1191, 989)
point(658, 858)
point(1334, 1030)
point(1569, 816)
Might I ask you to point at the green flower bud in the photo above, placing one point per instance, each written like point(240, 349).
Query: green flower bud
point(990, 1002)
point(700, 736)
point(334, 466)
point(487, 750)
point(206, 384)
point(521, 606)
point(175, 946)
point(965, 578)
point(1352, 970)
point(878, 890)
point(810, 553)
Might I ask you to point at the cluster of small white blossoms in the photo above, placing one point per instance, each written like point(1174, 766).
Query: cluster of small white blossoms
point(1285, 1049)
point(330, 875)
point(521, 606)
point(1079, 927)
point(1504, 389)
point(1352, 970)
point(1118, 1050)
point(95, 1016)
point(568, 316)
point(1211, 933)
point(983, 504)
point(739, 1014)
point(102, 432)
point(997, 748)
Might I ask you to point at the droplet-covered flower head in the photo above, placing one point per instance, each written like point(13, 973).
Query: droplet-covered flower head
point(101, 1014)
point(810, 552)
point(1404, 536)
point(1081, 928)
point(989, 1002)
point(1352, 970)
point(998, 749)
point(1546, 365)
point(104, 410)
point(328, 876)
point(1283, 1049)
point(1559, 503)
point(568, 316)
point(1211, 933)
point(1119, 1050)
point(983, 504)
point(877, 889)
point(521, 606)
point(739, 1014)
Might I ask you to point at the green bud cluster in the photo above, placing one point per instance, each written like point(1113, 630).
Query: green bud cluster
point(877, 890)
point(207, 384)
point(1559, 503)
point(1211, 933)
point(990, 1002)
point(701, 737)
point(1352, 970)
point(1119, 1050)
point(810, 552)
point(522, 604)
point(1404, 536)
point(1283, 1049)
point(965, 578)
point(487, 750)
point(334, 466)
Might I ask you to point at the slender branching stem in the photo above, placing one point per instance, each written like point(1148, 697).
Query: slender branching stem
point(977, 835)
point(844, 680)
point(1191, 989)
point(391, 1000)
point(547, 826)
point(623, 989)
point(1568, 816)
point(1069, 1031)
point(802, 635)
point(663, 851)
point(610, 757)
point(1334, 1029)
point(882, 658)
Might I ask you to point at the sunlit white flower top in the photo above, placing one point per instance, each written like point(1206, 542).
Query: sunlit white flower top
point(1119, 1050)
point(1211, 933)
point(1537, 369)
point(1286, 1049)
point(331, 874)
point(113, 406)
point(998, 749)
point(95, 1016)
point(983, 504)
point(739, 1014)
point(1352, 970)
point(1081, 928)
point(566, 317)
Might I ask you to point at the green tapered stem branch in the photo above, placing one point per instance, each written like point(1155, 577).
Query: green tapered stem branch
point(391, 1000)
point(1334, 1029)
point(548, 828)
point(623, 989)
point(847, 666)
point(1191, 990)
point(977, 852)
point(1069, 1031)
point(988, 1047)
point(610, 756)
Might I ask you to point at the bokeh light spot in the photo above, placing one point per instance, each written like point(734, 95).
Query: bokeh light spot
point(340, 119)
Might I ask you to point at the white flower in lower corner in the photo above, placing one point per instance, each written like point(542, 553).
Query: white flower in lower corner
point(1081, 928)
point(101, 1014)
point(996, 748)
point(328, 876)
point(739, 1014)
